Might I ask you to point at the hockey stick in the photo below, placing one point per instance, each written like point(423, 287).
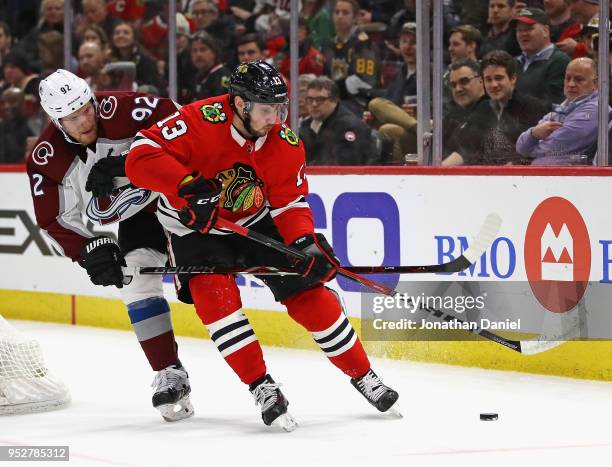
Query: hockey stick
point(130, 272)
point(480, 244)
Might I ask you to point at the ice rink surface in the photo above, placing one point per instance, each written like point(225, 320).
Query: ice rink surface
point(110, 422)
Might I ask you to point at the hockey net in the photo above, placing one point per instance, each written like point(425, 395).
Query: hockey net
point(26, 385)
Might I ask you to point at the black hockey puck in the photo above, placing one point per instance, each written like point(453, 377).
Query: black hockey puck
point(488, 416)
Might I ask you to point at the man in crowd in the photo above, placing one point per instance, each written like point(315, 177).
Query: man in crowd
point(501, 34)
point(561, 19)
point(394, 116)
point(14, 127)
point(583, 11)
point(571, 128)
point(212, 78)
point(463, 42)
point(352, 61)
point(467, 89)
point(490, 133)
point(541, 65)
point(91, 63)
point(333, 135)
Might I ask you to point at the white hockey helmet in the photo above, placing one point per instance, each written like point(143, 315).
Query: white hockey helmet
point(62, 93)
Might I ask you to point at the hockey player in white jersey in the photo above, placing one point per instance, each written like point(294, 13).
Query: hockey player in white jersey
point(77, 174)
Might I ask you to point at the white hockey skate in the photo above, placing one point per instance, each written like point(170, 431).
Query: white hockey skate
point(273, 403)
point(171, 395)
point(376, 393)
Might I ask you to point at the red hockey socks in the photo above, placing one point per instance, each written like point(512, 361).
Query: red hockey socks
point(320, 312)
point(217, 303)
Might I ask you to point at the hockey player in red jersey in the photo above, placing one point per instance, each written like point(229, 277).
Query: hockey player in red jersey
point(231, 156)
point(77, 176)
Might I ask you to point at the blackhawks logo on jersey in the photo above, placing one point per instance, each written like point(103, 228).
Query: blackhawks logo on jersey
point(242, 189)
point(213, 113)
point(288, 135)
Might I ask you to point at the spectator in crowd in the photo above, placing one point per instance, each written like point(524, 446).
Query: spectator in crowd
point(18, 74)
point(94, 33)
point(501, 33)
point(333, 135)
point(51, 19)
point(311, 59)
point(250, 48)
point(467, 89)
point(395, 113)
point(91, 62)
point(403, 16)
point(303, 82)
point(463, 42)
point(473, 12)
point(567, 132)
point(95, 13)
point(185, 70)
point(353, 61)
point(153, 33)
point(541, 64)
point(51, 53)
point(222, 28)
point(319, 22)
point(490, 133)
point(276, 35)
point(212, 78)
point(14, 127)
point(582, 11)
point(6, 41)
point(560, 19)
point(125, 47)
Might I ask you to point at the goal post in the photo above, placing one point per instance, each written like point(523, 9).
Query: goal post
point(26, 385)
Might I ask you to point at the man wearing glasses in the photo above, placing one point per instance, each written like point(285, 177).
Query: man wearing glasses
point(333, 135)
point(467, 89)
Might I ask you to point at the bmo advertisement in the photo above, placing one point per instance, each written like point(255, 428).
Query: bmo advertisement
point(552, 253)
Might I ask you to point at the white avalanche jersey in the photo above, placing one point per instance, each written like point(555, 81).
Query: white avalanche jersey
point(58, 171)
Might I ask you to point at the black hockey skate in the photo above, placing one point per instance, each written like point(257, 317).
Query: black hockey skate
point(171, 395)
point(273, 403)
point(380, 396)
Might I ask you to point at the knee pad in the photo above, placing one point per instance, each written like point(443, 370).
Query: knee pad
point(215, 296)
point(145, 286)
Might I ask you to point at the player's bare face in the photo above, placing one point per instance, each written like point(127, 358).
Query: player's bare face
point(81, 125)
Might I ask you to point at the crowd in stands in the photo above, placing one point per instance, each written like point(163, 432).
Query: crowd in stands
point(520, 84)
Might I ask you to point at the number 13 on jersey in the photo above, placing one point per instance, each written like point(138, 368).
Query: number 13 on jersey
point(170, 132)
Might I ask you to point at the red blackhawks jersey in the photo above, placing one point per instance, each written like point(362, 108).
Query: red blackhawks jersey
point(58, 171)
point(258, 177)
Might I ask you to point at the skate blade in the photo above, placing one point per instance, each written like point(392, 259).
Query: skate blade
point(175, 412)
point(395, 411)
point(286, 422)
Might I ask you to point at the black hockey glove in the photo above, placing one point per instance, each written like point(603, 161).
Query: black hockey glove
point(102, 259)
point(100, 179)
point(323, 263)
point(203, 195)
